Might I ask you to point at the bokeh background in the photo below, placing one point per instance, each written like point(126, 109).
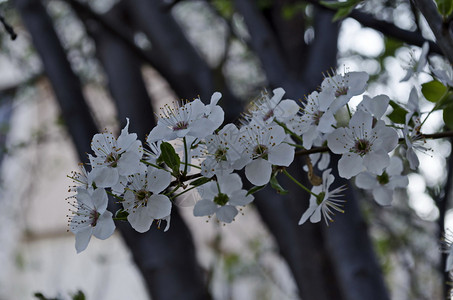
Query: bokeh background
point(130, 54)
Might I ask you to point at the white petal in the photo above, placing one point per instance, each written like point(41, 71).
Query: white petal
point(126, 139)
point(281, 155)
point(324, 162)
point(230, 183)
point(215, 98)
point(278, 94)
point(375, 162)
point(258, 171)
point(105, 176)
point(161, 133)
point(398, 181)
point(366, 180)
point(377, 106)
point(100, 200)
point(204, 208)
point(309, 136)
point(338, 141)
point(350, 165)
point(105, 226)
point(102, 143)
point(449, 264)
point(82, 238)
point(383, 196)
point(157, 180)
point(216, 116)
point(129, 163)
point(361, 121)
point(309, 212)
point(326, 121)
point(226, 213)
point(395, 167)
point(159, 206)
point(316, 216)
point(140, 219)
point(85, 197)
point(388, 138)
point(412, 158)
point(286, 108)
point(239, 198)
point(202, 128)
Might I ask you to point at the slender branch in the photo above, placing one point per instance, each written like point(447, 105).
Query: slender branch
point(387, 28)
point(443, 34)
point(442, 206)
point(8, 28)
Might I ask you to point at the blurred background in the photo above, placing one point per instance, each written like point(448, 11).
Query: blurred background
point(77, 67)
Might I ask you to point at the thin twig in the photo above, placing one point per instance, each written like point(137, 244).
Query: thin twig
point(8, 28)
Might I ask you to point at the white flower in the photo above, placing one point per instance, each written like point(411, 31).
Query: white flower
point(153, 154)
point(192, 119)
point(344, 87)
point(214, 112)
point(223, 150)
point(321, 159)
point(447, 247)
point(376, 106)
point(416, 66)
point(325, 202)
point(115, 157)
point(264, 147)
point(91, 217)
point(221, 198)
point(265, 109)
point(317, 118)
point(82, 179)
point(411, 131)
point(445, 76)
point(142, 199)
point(362, 145)
point(382, 186)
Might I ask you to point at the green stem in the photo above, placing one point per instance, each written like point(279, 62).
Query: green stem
point(173, 190)
point(185, 191)
point(436, 106)
point(115, 196)
point(153, 165)
point(194, 166)
point(299, 138)
point(186, 156)
point(119, 219)
point(349, 111)
point(295, 145)
point(298, 183)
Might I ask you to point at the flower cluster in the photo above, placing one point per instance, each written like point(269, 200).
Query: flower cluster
point(190, 150)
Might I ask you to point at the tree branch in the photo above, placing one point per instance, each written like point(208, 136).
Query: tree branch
point(387, 28)
point(65, 83)
point(441, 30)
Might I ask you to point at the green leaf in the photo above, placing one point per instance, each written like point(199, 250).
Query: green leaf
point(121, 214)
point(433, 90)
point(200, 181)
point(170, 157)
point(398, 115)
point(340, 4)
point(448, 116)
point(445, 7)
point(276, 186)
point(445, 101)
point(289, 11)
point(224, 7)
point(255, 189)
point(342, 13)
point(79, 296)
